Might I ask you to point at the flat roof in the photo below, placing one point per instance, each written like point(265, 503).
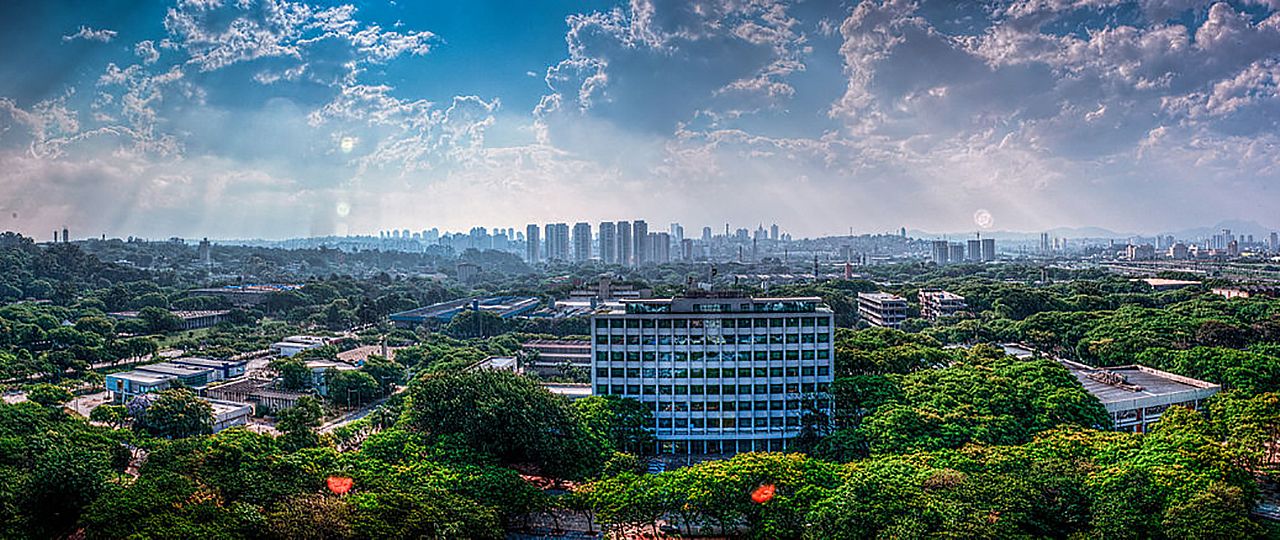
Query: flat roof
point(1162, 282)
point(208, 362)
point(170, 368)
point(145, 378)
point(880, 296)
point(185, 315)
point(504, 306)
point(557, 343)
point(1149, 383)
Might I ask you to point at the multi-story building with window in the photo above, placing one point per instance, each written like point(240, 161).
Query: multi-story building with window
point(581, 242)
point(882, 309)
point(608, 242)
point(722, 373)
point(935, 304)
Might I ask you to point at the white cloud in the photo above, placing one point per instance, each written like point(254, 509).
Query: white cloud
point(90, 34)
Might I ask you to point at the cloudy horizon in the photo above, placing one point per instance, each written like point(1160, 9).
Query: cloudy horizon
point(272, 118)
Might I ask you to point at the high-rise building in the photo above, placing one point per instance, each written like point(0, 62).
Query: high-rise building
point(941, 252)
point(640, 233)
point(686, 249)
point(206, 255)
point(955, 252)
point(706, 234)
point(713, 386)
point(661, 247)
point(557, 241)
point(1273, 242)
point(581, 241)
point(608, 242)
point(1044, 243)
point(974, 253)
point(532, 244)
point(773, 232)
point(625, 244)
point(988, 249)
point(677, 232)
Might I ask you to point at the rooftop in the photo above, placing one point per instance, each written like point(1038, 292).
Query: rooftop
point(504, 306)
point(1133, 382)
point(194, 314)
point(719, 302)
point(881, 297)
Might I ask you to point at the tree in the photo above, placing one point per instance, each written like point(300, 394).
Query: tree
point(504, 415)
point(623, 422)
point(1218, 512)
point(159, 320)
point(310, 517)
point(294, 373)
point(176, 413)
point(350, 388)
point(297, 424)
point(112, 415)
point(388, 373)
point(48, 395)
point(423, 513)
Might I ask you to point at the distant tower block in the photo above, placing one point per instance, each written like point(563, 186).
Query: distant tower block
point(206, 257)
point(66, 237)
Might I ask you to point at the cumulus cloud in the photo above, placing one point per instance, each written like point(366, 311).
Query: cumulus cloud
point(90, 34)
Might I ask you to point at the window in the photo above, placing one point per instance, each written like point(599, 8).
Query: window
point(793, 371)
point(713, 373)
point(602, 323)
point(664, 323)
point(729, 422)
point(682, 389)
point(823, 371)
point(602, 339)
point(602, 356)
point(775, 371)
point(649, 372)
point(806, 371)
point(617, 389)
point(602, 372)
point(633, 372)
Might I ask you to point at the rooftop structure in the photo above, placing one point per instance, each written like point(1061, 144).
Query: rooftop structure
point(222, 369)
point(191, 376)
point(1162, 284)
point(882, 309)
point(129, 384)
point(1136, 396)
point(554, 355)
point(191, 320)
point(247, 294)
point(497, 363)
point(1247, 291)
point(505, 307)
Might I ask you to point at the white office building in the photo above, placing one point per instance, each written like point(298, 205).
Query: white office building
point(722, 373)
point(882, 309)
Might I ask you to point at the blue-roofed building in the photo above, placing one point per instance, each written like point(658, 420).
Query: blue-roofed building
point(506, 307)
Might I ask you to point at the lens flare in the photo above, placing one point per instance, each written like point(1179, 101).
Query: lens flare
point(983, 218)
point(343, 209)
point(347, 144)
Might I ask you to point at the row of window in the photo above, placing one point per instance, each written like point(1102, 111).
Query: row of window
point(758, 406)
point(746, 339)
point(710, 389)
point(711, 356)
point(729, 423)
point(720, 446)
point(779, 322)
point(712, 373)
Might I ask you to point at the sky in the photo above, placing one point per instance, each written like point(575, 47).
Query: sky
point(275, 119)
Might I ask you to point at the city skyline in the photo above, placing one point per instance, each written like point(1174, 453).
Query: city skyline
point(284, 119)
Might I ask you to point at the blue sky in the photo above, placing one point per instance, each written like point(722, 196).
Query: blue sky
point(243, 118)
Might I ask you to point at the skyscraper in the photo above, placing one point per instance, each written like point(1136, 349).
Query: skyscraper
point(975, 251)
point(640, 233)
point(624, 243)
point(706, 234)
point(557, 241)
point(608, 242)
point(940, 252)
point(532, 244)
point(661, 246)
point(581, 241)
point(1274, 242)
point(988, 249)
point(773, 232)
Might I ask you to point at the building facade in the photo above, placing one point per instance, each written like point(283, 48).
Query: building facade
point(640, 248)
point(532, 244)
point(608, 242)
point(935, 304)
point(882, 309)
point(722, 373)
point(581, 242)
point(624, 243)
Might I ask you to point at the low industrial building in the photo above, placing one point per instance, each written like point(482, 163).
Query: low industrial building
point(882, 309)
point(553, 355)
point(1247, 291)
point(245, 295)
point(295, 344)
point(497, 363)
point(320, 370)
point(1163, 284)
point(189, 376)
point(506, 307)
point(191, 320)
point(127, 385)
point(1136, 396)
point(229, 414)
point(255, 391)
point(222, 369)
point(936, 304)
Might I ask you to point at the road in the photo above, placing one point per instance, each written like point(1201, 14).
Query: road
point(83, 405)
